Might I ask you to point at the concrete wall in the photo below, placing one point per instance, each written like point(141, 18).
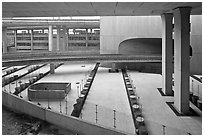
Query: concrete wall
point(114, 30)
point(76, 125)
point(196, 43)
point(117, 29)
point(80, 126)
point(141, 46)
point(20, 105)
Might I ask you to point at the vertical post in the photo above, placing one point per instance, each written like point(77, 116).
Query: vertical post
point(52, 68)
point(86, 37)
point(82, 84)
point(167, 53)
point(66, 104)
point(58, 38)
point(114, 118)
point(81, 114)
point(96, 114)
point(9, 86)
point(48, 98)
point(4, 39)
point(192, 85)
point(15, 38)
point(31, 40)
point(182, 58)
point(64, 41)
point(67, 38)
point(50, 38)
point(163, 127)
point(60, 107)
point(20, 88)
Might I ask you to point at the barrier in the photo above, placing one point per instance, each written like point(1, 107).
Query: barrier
point(71, 123)
point(77, 125)
point(48, 90)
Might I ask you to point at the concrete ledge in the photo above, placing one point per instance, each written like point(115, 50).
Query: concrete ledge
point(71, 123)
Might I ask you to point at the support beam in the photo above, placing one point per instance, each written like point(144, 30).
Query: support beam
point(50, 48)
point(58, 38)
point(167, 55)
point(52, 68)
point(4, 40)
point(181, 58)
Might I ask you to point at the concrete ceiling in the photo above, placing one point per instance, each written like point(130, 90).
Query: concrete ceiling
point(57, 9)
point(21, 24)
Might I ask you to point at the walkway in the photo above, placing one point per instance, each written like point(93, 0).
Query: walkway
point(69, 72)
point(108, 93)
point(157, 112)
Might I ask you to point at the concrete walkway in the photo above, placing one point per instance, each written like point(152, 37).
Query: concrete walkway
point(73, 73)
point(157, 112)
point(108, 93)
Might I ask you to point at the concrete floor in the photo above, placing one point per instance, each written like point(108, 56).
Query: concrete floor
point(157, 112)
point(108, 92)
point(67, 73)
point(110, 95)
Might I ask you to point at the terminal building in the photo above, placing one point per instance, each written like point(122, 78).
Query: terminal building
point(97, 68)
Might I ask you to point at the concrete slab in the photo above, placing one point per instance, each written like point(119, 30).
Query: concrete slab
point(72, 73)
point(155, 109)
point(109, 96)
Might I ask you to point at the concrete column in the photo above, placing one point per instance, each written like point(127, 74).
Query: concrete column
point(31, 39)
point(58, 38)
point(113, 67)
point(52, 68)
point(64, 38)
point(67, 38)
point(15, 38)
point(86, 37)
point(4, 40)
point(167, 55)
point(181, 58)
point(74, 31)
point(50, 38)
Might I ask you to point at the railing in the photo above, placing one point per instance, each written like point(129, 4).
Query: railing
point(81, 100)
point(108, 117)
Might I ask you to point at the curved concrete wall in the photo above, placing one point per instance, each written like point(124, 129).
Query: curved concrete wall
point(117, 29)
point(141, 46)
point(114, 30)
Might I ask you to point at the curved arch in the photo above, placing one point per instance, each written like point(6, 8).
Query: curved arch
point(141, 46)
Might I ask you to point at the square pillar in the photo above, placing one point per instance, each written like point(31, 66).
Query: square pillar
point(67, 38)
point(31, 39)
point(15, 39)
point(4, 40)
point(64, 38)
point(181, 58)
point(52, 68)
point(86, 37)
point(167, 55)
point(58, 38)
point(50, 38)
